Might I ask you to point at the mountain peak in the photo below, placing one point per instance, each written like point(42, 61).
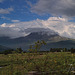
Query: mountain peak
point(41, 31)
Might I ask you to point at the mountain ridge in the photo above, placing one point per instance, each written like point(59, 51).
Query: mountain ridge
point(53, 40)
point(2, 48)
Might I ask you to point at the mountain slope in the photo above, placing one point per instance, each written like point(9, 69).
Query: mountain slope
point(2, 48)
point(52, 39)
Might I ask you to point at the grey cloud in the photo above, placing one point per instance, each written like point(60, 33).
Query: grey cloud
point(5, 18)
point(55, 7)
point(43, 30)
point(1, 1)
point(10, 32)
point(15, 21)
point(14, 30)
point(6, 11)
point(57, 24)
point(30, 24)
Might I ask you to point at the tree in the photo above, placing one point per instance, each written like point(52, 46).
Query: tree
point(30, 48)
point(8, 51)
point(65, 50)
point(19, 50)
point(72, 50)
point(37, 46)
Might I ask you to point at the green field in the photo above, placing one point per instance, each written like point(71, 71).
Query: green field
point(57, 63)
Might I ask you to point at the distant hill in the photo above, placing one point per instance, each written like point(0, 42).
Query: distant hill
point(53, 39)
point(2, 48)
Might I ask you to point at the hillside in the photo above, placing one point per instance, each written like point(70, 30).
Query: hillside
point(53, 40)
point(2, 48)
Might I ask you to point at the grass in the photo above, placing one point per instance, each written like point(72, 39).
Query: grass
point(57, 63)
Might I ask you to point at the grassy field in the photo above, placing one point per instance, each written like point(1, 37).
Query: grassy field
point(57, 63)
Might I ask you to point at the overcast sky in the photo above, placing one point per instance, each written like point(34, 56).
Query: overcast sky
point(18, 15)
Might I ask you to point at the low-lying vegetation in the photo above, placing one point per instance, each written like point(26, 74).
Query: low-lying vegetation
point(45, 63)
point(57, 61)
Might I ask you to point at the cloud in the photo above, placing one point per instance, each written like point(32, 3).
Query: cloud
point(61, 25)
point(3, 25)
point(6, 11)
point(58, 24)
point(29, 3)
point(55, 7)
point(1, 1)
point(15, 21)
point(5, 18)
point(10, 32)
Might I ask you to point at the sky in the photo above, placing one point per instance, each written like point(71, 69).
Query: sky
point(18, 15)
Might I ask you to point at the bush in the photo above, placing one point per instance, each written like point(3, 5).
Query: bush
point(8, 51)
point(72, 50)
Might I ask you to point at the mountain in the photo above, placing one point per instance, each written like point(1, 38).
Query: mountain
point(52, 38)
point(2, 48)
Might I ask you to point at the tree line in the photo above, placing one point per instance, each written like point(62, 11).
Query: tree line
point(11, 51)
point(36, 48)
point(72, 50)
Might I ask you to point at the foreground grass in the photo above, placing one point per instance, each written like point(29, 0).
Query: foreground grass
point(58, 63)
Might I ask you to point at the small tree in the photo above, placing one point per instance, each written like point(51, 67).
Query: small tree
point(8, 51)
point(72, 50)
point(30, 48)
point(37, 46)
point(19, 50)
